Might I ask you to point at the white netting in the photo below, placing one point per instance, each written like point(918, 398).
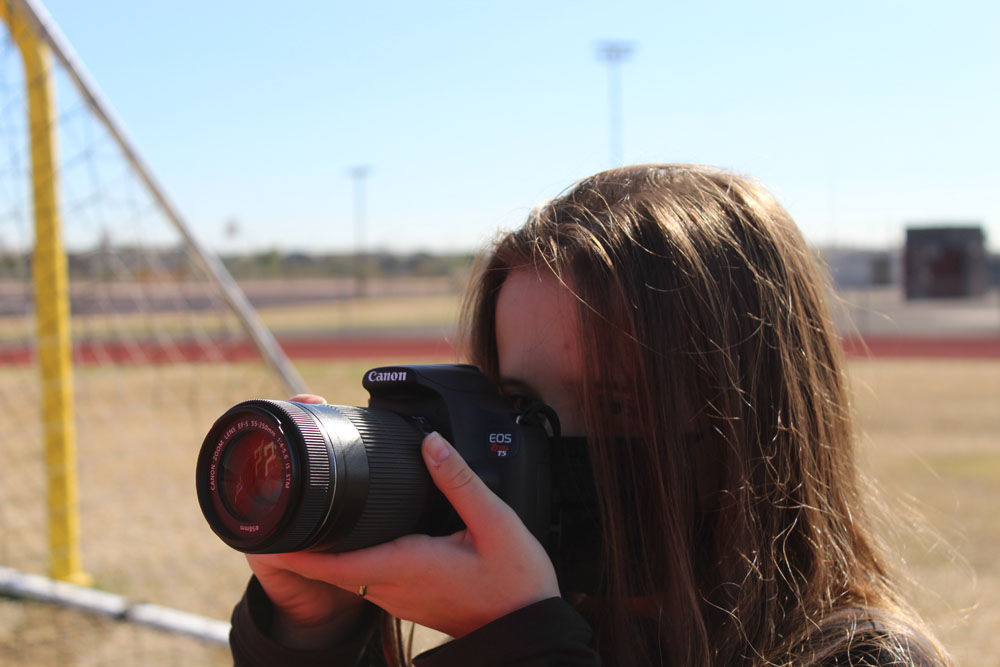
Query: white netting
point(157, 356)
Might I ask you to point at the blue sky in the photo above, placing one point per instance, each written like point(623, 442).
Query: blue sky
point(860, 116)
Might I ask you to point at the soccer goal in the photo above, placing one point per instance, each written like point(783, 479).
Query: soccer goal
point(121, 340)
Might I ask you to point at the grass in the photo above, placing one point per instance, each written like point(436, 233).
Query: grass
point(395, 313)
point(928, 442)
point(389, 312)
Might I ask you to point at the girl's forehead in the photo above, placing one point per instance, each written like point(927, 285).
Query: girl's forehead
point(536, 326)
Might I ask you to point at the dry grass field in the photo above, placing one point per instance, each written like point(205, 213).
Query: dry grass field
point(929, 443)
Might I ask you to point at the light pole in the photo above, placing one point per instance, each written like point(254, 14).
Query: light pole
point(358, 174)
point(614, 53)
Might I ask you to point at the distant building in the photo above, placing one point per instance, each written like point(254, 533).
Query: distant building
point(943, 262)
point(861, 267)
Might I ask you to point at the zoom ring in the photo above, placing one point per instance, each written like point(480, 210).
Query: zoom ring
point(398, 486)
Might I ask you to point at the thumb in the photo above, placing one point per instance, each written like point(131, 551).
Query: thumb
point(478, 507)
point(308, 398)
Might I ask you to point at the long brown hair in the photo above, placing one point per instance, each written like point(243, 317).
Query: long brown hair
point(734, 524)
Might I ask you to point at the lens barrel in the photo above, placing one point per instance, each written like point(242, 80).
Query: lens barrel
point(277, 476)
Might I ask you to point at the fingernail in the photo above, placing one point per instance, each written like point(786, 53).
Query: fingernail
point(437, 447)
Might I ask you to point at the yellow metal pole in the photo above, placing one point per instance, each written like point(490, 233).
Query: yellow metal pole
point(51, 308)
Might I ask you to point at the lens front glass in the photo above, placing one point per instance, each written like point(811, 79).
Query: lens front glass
point(252, 476)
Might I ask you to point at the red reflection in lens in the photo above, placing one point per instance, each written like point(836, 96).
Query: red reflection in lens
point(252, 476)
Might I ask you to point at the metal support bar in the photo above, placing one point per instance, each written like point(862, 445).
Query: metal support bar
point(40, 589)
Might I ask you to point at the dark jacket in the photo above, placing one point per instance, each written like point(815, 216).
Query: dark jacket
point(550, 632)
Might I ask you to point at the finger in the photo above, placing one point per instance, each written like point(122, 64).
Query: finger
point(479, 508)
point(352, 568)
point(308, 398)
point(270, 565)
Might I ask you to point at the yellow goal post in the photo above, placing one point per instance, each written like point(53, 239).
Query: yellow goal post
point(115, 280)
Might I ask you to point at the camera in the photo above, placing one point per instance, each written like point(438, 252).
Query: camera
point(277, 476)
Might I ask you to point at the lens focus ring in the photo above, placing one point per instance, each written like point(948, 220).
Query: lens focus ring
point(317, 477)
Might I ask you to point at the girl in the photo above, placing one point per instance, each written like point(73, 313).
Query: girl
point(674, 319)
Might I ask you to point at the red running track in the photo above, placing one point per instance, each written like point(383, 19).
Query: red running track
point(923, 348)
point(299, 347)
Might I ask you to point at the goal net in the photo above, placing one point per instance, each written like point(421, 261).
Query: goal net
point(158, 348)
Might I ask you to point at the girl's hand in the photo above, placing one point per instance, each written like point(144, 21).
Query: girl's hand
point(453, 584)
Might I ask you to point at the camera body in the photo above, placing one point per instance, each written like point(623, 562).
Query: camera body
point(276, 476)
point(508, 450)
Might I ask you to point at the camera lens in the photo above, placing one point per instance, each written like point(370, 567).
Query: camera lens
point(276, 476)
point(251, 476)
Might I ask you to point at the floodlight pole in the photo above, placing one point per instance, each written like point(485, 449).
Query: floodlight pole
point(358, 174)
point(614, 53)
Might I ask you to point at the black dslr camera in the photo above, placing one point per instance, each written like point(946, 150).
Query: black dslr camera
point(276, 476)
